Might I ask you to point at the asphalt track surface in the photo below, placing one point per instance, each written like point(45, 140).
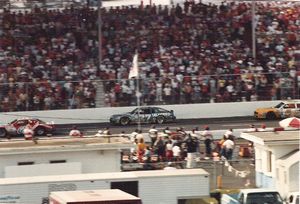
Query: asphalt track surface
point(187, 124)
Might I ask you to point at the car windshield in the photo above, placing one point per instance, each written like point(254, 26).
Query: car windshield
point(160, 110)
point(13, 121)
point(134, 111)
point(279, 105)
point(264, 198)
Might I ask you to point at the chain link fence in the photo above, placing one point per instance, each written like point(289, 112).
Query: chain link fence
point(238, 173)
point(52, 95)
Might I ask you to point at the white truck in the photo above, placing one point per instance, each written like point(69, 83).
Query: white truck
point(158, 186)
point(253, 196)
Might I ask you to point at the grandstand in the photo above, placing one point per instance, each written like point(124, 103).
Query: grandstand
point(195, 52)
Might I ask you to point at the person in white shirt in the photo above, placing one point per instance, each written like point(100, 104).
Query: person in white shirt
point(28, 133)
point(208, 139)
point(251, 128)
point(176, 152)
point(133, 135)
point(99, 133)
point(153, 135)
point(169, 166)
point(228, 146)
point(75, 132)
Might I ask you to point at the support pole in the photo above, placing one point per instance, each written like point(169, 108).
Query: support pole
point(253, 30)
point(99, 33)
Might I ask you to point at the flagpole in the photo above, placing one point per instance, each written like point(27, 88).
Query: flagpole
point(134, 72)
point(138, 102)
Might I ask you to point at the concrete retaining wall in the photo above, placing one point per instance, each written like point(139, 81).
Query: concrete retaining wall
point(99, 115)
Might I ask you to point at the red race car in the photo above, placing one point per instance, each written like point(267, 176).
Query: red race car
point(17, 127)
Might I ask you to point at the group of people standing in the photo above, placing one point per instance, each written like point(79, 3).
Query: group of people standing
point(176, 146)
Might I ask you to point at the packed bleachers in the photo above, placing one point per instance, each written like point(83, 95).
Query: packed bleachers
point(188, 53)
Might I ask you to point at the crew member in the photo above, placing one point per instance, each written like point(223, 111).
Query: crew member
point(75, 132)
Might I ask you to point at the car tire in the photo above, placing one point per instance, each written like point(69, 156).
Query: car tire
point(160, 119)
point(271, 116)
point(3, 133)
point(40, 131)
point(124, 121)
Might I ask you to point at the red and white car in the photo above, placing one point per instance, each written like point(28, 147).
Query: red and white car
point(17, 127)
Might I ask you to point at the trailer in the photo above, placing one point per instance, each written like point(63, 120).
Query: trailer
point(156, 186)
point(107, 196)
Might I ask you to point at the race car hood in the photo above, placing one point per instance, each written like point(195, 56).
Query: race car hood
point(264, 109)
point(120, 115)
point(3, 124)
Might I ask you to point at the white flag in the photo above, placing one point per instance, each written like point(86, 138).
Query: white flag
point(134, 70)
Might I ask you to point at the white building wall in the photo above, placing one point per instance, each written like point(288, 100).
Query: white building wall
point(264, 178)
point(35, 193)
point(189, 187)
point(293, 178)
point(42, 170)
point(95, 161)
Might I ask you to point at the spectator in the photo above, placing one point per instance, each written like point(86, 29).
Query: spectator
point(251, 128)
point(181, 49)
point(106, 131)
point(141, 147)
point(169, 150)
point(159, 148)
point(208, 138)
point(228, 146)
point(99, 133)
point(28, 131)
point(75, 132)
point(262, 128)
point(153, 132)
point(169, 166)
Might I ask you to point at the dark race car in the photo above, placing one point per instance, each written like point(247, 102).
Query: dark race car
point(17, 127)
point(144, 115)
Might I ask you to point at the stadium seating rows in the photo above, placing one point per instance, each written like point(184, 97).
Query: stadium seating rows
point(188, 53)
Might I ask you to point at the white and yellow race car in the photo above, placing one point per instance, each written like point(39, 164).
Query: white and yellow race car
point(284, 109)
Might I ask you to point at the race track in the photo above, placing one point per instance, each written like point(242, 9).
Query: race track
point(214, 124)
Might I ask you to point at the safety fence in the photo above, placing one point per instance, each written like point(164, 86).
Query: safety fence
point(236, 174)
point(54, 95)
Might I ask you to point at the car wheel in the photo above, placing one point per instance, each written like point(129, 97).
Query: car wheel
point(271, 116)
point(39, 131)
point(124, 121)
point(3, 132)
point(160, 119)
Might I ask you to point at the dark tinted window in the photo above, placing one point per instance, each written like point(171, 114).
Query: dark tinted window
point(57, 161)
point(130, 187)
point(160, 110)
point(147, 111)
point(263, 198)
point(22, 122)
point(25, 163)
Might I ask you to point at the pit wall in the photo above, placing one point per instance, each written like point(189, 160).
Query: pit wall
point(102, 115)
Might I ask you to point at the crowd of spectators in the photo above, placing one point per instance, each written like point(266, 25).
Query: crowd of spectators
point(178, 146)
point(188, 53)
point(198, 53)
